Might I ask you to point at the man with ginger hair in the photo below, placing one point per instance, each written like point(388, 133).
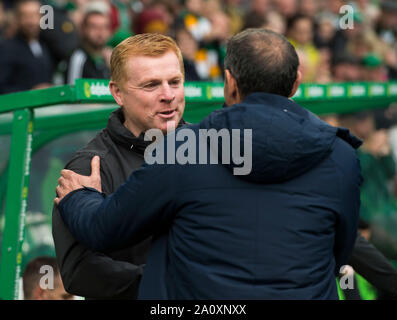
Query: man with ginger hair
point(147, 79)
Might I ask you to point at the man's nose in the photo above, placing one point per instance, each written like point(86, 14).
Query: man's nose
point(167, 94)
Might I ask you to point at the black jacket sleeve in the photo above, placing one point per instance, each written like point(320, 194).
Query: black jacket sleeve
point(87, 273)
point(373, 266)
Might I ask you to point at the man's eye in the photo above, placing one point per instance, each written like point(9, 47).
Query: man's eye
point(150, 85)
point(175, 82)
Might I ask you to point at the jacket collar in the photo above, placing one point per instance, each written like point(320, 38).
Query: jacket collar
point(122, 136)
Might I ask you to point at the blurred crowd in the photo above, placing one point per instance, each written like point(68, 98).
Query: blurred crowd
point(85, 31)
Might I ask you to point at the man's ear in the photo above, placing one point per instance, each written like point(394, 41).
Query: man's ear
point(296, 85)
point(232, 93)
point(115, 90)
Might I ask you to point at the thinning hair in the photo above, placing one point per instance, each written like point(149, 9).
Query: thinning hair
point(145, 44)
point(262, 61)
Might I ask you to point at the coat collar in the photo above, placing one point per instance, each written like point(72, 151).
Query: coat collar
point(122, 136)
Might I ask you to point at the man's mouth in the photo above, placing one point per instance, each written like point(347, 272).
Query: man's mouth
point(167, 114)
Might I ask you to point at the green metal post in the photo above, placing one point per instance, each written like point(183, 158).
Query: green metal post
point(16, 202)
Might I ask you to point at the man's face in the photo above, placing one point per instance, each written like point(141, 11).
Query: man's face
point(29, 16)
point(97, 30)
point(153, 94)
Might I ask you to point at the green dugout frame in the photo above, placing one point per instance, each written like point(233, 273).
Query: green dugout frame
point(201, 99)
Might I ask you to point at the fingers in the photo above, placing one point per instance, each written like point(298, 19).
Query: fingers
point(95, 167)
point(59, 191)
point(66, 173)
point(70, 181)
point(61, 181)
point(58, 198)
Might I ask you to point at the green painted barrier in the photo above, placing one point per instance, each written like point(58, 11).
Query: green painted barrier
point(201, 99)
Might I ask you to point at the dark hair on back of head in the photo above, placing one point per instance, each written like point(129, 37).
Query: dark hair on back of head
point(262, 61)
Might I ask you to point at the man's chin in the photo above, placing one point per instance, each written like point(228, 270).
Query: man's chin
point(169, 124)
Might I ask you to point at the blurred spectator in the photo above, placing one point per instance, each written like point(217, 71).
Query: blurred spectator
point(260, 6)
point(300, 34)
point(2, 20)
point(64, 37)
point(367, 43)
point(235, 14)
point(32, 286)
point(333, 7)
point(309, 8)
point(189, 48)
point(256, 16)
point(254, 20)
point(121, 15)
point(344, 38)
point(276, 22)
point(368, 9)
point(198, 25)
point(168, 9)
point(378, 203)
point(92, 59)
point(324, 32)
point(210, 27)
point(347, 68)
point(386, 26)
point(331, 119)
point(25, 61)
point(374, 69)
point(287, 8)
point(151, 21)
point(205, 20)
point(219, 20)
point(8, 25)
point(311, 25)
point(302, 62)
point(324, 74)
point(76, 10)
point(323, 37)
